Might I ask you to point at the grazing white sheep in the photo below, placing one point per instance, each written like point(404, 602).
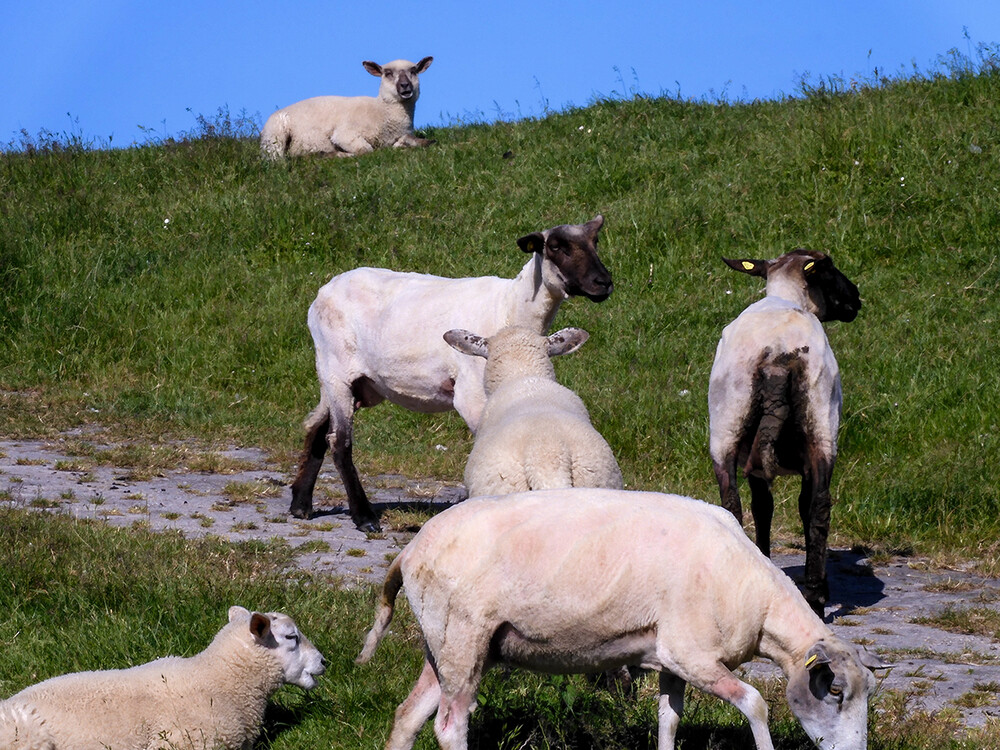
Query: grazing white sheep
point(378, 336)
point(774, 398)
point(212, 700)
point(582, 580)
point(534, 434)
point(350, 125)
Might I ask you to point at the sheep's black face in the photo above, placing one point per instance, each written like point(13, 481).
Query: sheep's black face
point(572, 249)
point(835, 295)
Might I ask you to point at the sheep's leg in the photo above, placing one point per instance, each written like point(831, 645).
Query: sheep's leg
point(350, 145)
point(413, 141)
point(414, 712)
point(341, 444)
point(460, 663)
point(762, 509)
point(451, 725)
point(309, 466)
point(671, 708)
point(725, 474)
point(814, 509)
point(746, 698)
point(469, 401)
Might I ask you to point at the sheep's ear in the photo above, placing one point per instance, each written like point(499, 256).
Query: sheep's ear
point(871, 660)
point(566, 341)
point(745, 265)
point(238, 612)
point(814, 265)
point(260, 626)
point(466, 342)
point(594, 225)
point(816, 656)
point(423, 65)
point(373, 67)
point(532, 243)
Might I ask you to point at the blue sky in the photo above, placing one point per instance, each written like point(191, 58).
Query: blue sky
point(103, 68)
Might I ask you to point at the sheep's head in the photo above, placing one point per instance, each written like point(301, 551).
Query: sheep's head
point(301, 662)
point(829, 690)
point(400, 78)
point(516, 352)
point(808, 278)
point(571, 265)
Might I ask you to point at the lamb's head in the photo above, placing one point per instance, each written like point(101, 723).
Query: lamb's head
point(400, 79)
point(301, 662)
point(516, 352)
point(570, 264)
point(809, 279)
point(828, 693)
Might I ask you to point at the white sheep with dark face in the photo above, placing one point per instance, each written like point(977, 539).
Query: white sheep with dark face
point(585, 580)
point(350, 125)
point(774, 398)
point(378, 336)
point(535, 434)
point(212, 700)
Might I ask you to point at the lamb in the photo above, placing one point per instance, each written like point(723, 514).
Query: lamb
point(534, 433)
point(350, 125)
point(212, 700)
point(378, 335)
point(774, 398)
point(582, 580)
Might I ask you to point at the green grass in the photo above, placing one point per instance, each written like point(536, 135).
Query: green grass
point(195, 327)
point(160, 292)
point(80, 595)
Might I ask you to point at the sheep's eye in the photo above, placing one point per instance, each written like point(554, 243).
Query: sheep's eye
point(837, 691)
point(388, 73)
point(293, 637)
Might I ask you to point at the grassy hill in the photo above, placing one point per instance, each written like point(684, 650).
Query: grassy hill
point(162, 290)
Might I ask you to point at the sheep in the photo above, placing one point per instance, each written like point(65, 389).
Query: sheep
point(212, 700)
point(350, 125)
point(774, 398)
point(378, 335)
point(534, 433)
point(582, 580)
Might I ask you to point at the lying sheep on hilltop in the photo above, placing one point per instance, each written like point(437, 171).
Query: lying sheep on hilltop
point(350, 125)
point(774, 398)
point(583, 580)
point(534, 433)
point(378, 337)
point(212, 700)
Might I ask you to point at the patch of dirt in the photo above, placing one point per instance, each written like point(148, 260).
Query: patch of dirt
point(874, 605)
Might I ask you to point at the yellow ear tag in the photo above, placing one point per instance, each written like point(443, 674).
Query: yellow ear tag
point(747, 265)
point(809, 265)
point(810, 660)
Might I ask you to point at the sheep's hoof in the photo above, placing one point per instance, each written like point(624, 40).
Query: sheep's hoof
point(369, 527)
point(302, 513)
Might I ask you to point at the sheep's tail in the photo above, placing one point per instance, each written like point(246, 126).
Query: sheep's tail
point(275, 138)
point(777, 381)
point(383, 613)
